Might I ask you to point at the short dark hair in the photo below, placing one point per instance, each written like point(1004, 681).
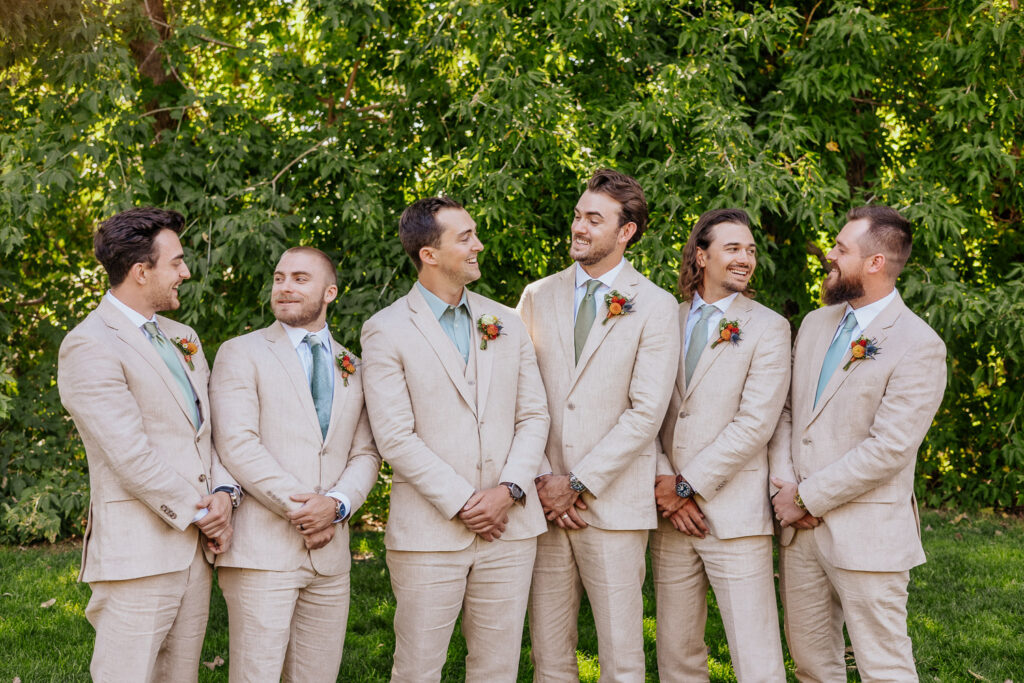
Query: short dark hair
point(690, 274)
point(127, 238)
point(328, 265)
point(888, 233)
point(627, 192)
point(418, 228)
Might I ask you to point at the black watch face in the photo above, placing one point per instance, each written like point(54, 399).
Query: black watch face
point(684, 490)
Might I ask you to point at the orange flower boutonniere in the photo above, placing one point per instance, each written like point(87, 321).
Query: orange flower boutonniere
point(617, 305)
point(862, 349)
point(490, 329)
point(728, 331)
point(188, 348)
point(347, 365)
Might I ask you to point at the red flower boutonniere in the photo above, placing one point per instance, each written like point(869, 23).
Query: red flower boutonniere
point(490, 329)
point(862, 349)
point(617, 304)
point(728, 331)
point(188, 348)
point(347, 365)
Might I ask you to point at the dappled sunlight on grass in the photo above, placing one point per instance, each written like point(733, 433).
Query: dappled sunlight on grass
point(650, 630)
point(590, 672)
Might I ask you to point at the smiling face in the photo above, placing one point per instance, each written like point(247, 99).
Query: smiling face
point(845, 281)
point(455, 257)
point(728, 262)
point(598, 241)
point(161, 280)
point(301, 291)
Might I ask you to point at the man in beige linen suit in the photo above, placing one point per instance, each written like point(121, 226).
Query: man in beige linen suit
point(290, 424)
point(607, 345)
point(712, 484)
point(459, 413)
point(868, 377)
point(159, 499)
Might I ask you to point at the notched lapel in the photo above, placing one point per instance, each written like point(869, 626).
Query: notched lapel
point(281, 347)
point(562, 304)
point(484, 358)
point(341, 392)
point(451, 360)
point(626, 283)
point(740, 311)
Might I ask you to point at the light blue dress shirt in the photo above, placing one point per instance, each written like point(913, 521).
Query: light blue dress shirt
point(456, 321)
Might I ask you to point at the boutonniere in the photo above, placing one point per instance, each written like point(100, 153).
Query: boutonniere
point(862, 349)
point(728, 331)
point(347, 365)
point(188, 348)
point(617, 304)
point(490, 329)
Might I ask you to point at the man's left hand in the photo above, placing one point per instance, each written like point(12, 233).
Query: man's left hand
point(318, 539)
point(316, 514)
point(665, 495)
point(784, 502)
point(487, 511)
point(217, 520)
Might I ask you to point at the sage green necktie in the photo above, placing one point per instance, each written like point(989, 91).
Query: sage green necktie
point(585, 317)
point(320, 383)
point(835, 353)
point(172, 359)
point(698, 340)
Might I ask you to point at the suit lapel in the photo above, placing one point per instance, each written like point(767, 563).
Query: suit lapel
point(340, 390)
point(563, 302)
point(739, 310)
point(484, 358)
point(282, 349)
point(424, 320)
point(626, 283)
point(137, 340)
point(877, 330)
point(819, 347)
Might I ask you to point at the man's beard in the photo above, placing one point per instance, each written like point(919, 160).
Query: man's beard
point(842, 289)
point(308, 312)
point(596, 254)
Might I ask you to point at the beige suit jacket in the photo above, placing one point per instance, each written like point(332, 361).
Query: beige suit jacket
point(717, 428)
point(148, 467)
point(606, 410)
point(854, 453)
point(444, 436)
point(267, 432)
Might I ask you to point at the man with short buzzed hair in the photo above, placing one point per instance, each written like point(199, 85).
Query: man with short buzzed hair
point(868, 377)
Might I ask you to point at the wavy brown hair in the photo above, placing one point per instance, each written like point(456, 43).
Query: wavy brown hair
point(691, 276)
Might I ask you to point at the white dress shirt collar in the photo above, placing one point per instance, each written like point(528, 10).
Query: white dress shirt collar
point(608, 279)
point(722, 304)
point(296, 335)
point(866, 315)
point(133, 316)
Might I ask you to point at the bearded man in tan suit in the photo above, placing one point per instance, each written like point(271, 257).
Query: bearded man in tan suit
point(135, 384)
point(290, 424)
point(868, 377)
point(608, 346)
point(457, 408)
point(712, 484)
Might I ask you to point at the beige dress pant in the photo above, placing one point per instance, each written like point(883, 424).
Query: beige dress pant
point(488, 582)
point(817, 597)
point(741, 573)
point(287, 625)
point(610, 567)
point(152, 628)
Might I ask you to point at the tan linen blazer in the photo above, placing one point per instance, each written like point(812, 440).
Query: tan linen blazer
point(607, 409)
point(717, 428)
point(267, 433)
point(148, 467)
point(854, 454)
point(445, 437)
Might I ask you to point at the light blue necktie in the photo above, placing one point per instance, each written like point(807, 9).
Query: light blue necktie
point(172, 360)
point(320, 383)
point(835, 353)
point(698, 340)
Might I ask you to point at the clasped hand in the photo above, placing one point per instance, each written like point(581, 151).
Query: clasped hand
point(486, 512)
point(684, 513)
point(560, 502)
point(315, 519)
point(787, 511)
point(216, 524)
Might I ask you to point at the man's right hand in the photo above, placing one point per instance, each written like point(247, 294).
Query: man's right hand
point(689, 519)
point(318, 539)
point(665, 495)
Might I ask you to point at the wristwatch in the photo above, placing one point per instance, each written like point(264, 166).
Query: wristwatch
point(339, 511)
point(683, 488)
point(234, 491)
point(798, 501)
point(513, 490)
point(575, 484)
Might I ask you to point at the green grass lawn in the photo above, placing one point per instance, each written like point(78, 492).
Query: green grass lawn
point(966, 612)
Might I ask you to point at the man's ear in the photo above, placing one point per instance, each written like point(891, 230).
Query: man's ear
point(138, 273)
point(875, 263)
point(626, 232)
point(330, 294)
point(702, 258)
point(427, 255)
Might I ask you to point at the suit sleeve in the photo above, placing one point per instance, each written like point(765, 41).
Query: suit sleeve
point(219, 475)
point(764, 393)
point(666, 436)
point(394, 426)
point(532, 421)
point(650, 386)
point(94, 389)
point(235, 403)
point(363, 465)
point(525, 311)
point(912, 396)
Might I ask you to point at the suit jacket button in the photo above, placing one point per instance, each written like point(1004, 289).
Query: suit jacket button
point(316, 490)
point(202, 477)
point(806, 442)
point(570, 406)
point(682, 413)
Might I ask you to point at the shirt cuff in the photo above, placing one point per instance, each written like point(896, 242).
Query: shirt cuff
point(200, 514)
point(346, 505)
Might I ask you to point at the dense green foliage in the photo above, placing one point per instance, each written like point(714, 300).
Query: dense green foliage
point(966, 613)
point(311, 121)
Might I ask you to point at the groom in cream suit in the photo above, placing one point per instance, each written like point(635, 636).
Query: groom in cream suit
point(608, 346)
point(290, 424)
point(135, 384)
point(457, 408)
point(712, 484)
point(868, 377)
